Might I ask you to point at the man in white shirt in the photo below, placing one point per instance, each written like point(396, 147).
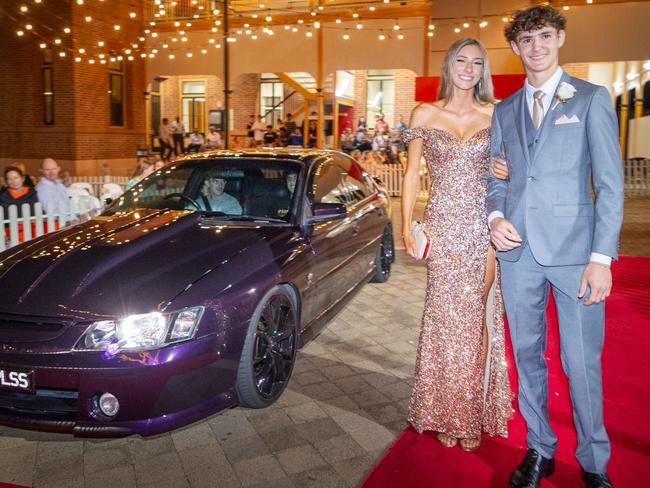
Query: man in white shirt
point(165, 139)
point(214, 199)
point(52, 195)
point(178, 136)
point(559, 135)
point(196, 141)
point(259, 127)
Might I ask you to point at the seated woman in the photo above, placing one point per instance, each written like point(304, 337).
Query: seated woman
point(213, 198)
point(213, 141)
point(143, 169)
point(16, 192)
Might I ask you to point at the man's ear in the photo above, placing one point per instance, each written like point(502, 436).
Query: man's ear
point(515, 48)
point(561, 36)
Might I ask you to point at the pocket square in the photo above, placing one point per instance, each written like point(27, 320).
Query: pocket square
point(563, 119)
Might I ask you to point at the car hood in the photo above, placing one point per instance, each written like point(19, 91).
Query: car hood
point(119, 265)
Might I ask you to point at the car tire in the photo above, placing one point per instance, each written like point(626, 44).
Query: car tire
point(385, 257)
point(269, 350)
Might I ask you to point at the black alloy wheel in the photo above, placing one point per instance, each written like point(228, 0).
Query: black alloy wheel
point(385, 257)
point(269, 352)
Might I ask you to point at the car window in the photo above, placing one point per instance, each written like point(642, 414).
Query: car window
point(328, 184)
point(255, 187)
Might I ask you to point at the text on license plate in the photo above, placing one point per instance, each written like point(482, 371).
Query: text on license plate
point(16, 380)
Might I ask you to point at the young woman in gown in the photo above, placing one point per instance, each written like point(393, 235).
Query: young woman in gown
point(461, 386)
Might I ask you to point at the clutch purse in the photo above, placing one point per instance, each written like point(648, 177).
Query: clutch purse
point(422, 241)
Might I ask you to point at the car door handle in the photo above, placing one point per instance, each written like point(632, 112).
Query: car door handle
point(356, 230)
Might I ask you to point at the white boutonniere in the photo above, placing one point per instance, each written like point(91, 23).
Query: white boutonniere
point(564, 93)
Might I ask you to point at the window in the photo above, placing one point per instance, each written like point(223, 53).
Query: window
point(271, 94)
point(116, 92)
point(48, 88)
point(193, 111)
point(332, 183)
point(380, 95)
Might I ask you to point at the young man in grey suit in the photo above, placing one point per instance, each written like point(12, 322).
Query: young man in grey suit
point(559, 137)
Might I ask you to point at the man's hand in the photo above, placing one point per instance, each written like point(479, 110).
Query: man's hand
point(503, 234)
point(598, 277)
point(499, 168)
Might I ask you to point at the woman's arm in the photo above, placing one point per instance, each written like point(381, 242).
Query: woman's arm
point(419, 118)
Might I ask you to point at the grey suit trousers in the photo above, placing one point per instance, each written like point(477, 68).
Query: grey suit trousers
point(525, 289)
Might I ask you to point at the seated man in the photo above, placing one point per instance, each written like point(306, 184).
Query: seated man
point(213, 141)
point(214, 199)
point(196, 141)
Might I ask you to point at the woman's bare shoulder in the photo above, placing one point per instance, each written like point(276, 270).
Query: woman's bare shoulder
point(423, 114)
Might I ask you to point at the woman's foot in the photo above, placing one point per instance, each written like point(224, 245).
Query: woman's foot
point(470, 444)
point(447, 440)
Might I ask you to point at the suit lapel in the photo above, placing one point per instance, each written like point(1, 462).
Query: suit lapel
point(554, 111)
point(519, 108)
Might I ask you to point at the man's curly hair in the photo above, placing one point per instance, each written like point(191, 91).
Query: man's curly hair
point(532, 19)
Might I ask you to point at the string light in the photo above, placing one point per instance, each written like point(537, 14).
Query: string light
point(466, 25)
point(346, 37)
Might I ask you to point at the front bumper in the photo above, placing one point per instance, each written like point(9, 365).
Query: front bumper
point(158, 390)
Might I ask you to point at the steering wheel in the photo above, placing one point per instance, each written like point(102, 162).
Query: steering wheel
point(182, 196)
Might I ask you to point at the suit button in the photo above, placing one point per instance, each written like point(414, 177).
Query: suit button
point(531, 178)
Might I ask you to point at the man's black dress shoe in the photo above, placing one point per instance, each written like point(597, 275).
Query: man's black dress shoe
point(531, 470)
point(593, 480)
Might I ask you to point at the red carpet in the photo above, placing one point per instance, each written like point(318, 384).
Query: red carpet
point(421, 461)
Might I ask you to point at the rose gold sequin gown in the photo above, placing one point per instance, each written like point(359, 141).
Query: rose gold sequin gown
point(453, 392)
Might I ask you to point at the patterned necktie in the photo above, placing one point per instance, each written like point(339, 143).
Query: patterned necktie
point(538, 108)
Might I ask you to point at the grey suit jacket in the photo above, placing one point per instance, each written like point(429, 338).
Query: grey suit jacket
point(548, 197)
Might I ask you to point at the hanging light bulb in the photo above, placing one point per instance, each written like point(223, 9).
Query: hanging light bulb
point(381, 37)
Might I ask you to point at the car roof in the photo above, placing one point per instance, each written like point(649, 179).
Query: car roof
point(295, 154)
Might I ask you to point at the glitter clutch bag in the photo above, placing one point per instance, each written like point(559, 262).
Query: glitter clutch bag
point(422, 242)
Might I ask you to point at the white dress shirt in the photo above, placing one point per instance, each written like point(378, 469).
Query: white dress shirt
point(549, 88)
point(51, 194)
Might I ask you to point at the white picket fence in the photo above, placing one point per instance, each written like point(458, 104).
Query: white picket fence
point(636, 172)
point(392, 176)
point(637, 177)
point(97, 182)
point(34, 222)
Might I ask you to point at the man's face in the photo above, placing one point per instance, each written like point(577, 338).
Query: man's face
point(216, 186)
point(50, 170)
point(539, 49)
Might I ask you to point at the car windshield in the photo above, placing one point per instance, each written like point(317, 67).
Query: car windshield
point(237, 188)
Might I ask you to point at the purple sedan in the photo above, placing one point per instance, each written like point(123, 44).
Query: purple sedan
point(189, 294)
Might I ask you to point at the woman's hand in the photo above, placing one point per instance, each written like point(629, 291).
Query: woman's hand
point(499, 168)
point(409, 243)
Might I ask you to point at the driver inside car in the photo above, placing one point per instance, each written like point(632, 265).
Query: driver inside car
point(213, 198)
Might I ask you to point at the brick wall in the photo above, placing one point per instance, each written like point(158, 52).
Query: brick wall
point(244, 99)
point(81, 138)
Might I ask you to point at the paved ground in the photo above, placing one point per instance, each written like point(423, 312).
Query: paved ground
point(345, 405)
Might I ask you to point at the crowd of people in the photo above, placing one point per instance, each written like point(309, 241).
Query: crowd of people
point(19, 188)
point(171, 137)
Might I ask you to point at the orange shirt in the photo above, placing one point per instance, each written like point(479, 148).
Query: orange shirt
point(16, 194)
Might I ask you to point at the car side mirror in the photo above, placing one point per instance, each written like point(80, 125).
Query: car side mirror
point(324, 212)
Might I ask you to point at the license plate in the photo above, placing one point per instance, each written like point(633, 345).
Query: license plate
point(16, 380)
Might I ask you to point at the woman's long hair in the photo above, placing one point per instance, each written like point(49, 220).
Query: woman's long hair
point(483, 91)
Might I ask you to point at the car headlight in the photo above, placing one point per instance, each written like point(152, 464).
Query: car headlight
point(140, 332)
